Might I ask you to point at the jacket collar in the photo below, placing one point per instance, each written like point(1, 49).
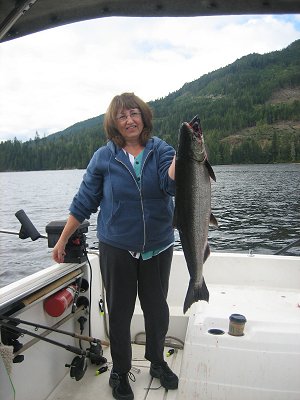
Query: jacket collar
point(119, 153)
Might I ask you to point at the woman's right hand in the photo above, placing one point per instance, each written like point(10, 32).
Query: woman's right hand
point(59, 251)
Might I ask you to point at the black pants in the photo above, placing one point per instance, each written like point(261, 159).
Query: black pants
point(124, 277)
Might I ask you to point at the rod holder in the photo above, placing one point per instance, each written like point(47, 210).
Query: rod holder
point(27, 228)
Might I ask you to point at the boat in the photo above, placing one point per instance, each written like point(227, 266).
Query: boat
point(243, 344)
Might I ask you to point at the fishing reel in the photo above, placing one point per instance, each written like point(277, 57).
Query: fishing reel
point(95, 353)
point(77, 367)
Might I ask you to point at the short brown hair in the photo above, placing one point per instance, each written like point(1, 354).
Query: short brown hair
point(127, 101)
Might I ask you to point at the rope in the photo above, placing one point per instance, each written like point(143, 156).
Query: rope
point(6, 353)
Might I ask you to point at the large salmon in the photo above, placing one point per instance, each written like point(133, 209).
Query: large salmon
point(193, 206)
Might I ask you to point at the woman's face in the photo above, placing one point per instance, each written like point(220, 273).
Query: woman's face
point(130, 124)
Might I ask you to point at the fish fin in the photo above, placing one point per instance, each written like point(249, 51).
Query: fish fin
point(195, 293)
point(213, 220)
point(206, 253)
point(210, 170)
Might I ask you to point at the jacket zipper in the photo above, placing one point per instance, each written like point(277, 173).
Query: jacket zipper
point(142, 204)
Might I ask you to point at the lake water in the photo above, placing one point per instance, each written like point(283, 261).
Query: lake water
point(257, 207)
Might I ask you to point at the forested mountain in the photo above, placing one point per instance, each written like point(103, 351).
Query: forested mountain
point(249, 111)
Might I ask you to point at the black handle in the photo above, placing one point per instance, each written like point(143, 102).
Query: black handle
point(27, 227)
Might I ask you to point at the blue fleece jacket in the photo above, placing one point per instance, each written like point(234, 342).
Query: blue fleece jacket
point(135, 216)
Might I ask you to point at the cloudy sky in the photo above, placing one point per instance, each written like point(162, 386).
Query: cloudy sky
point(53, 79)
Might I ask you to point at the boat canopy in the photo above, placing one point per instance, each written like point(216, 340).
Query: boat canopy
point(23, 17)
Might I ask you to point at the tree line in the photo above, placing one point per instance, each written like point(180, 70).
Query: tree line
point(243, 118)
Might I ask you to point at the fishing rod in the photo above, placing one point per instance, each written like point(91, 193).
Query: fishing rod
point(89, 339)
point(23, 331)
point(78, 365)
point(9, 232)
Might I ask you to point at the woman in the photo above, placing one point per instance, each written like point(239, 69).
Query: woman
point(132, 179)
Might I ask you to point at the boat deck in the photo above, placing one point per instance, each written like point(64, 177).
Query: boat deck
point(93, 386)
point(264, 362)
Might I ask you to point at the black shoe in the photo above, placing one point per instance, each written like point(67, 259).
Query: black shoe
point(121, 389)
point(167, 377)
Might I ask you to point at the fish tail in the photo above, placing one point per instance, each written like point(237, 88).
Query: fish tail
point(195, 293)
